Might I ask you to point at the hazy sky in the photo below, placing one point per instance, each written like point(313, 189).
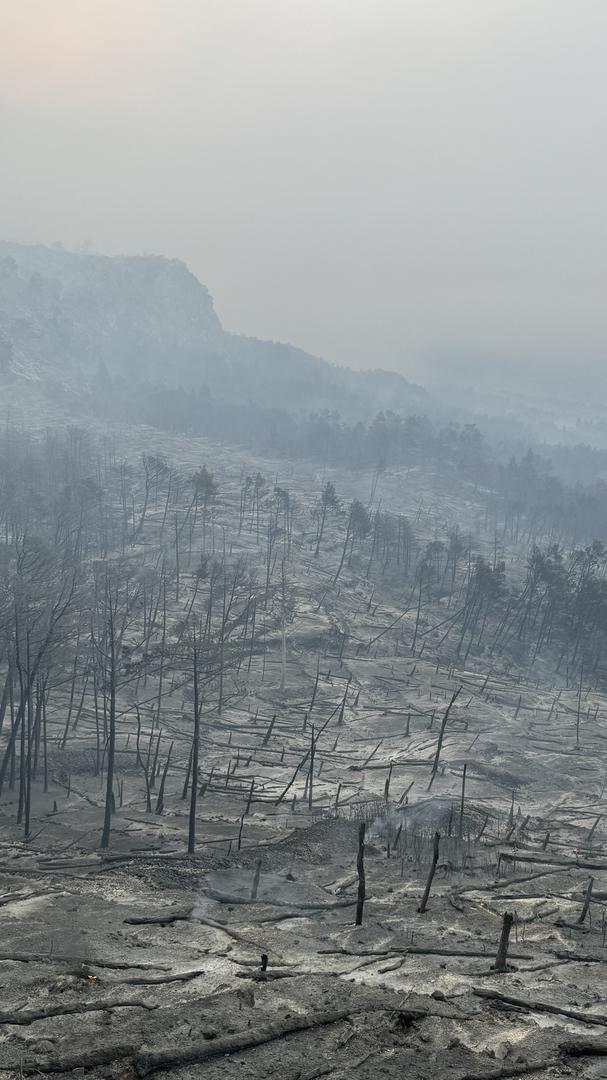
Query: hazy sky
point(375, 180)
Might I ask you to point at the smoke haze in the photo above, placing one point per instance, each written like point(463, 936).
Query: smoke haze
point(382, 183)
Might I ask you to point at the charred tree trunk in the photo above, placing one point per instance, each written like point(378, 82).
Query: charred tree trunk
point(424, 904)
point(441, 736)
point(111, 749)
point(360, 869)
point(195, 748)
point(502, 952)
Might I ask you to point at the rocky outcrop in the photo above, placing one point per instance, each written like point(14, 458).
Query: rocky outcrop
point(65, 317)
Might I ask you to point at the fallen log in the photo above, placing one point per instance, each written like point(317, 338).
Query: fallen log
point(234, 934)
point(580, 958)
point(158, 920)
point(523, 1069)
point(150, 1061)
point(228, 898)
point(572, 926)
point(583, 1048)
point(255, 963)
point(267, 976)
point(31, 1015)
point(86, 1059)
point(284, 916)
point(564, 864)
point(505, 883)
point(159, 980)
point(18, 897)
point(340, 887)
point(419, 950)
point(322, 1070)
point(71, 864)
point(541, 1006)
point(48, 958)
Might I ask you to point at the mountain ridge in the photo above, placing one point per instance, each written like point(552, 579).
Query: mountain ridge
point(64, 316)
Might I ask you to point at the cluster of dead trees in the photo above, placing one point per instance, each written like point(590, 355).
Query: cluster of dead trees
point(115, 601)
point(121, 598)
point(560, 609)
point(528, 497)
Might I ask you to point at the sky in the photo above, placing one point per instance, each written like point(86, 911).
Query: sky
point(407, 184)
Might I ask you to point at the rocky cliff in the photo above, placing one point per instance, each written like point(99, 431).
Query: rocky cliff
point(65, 316)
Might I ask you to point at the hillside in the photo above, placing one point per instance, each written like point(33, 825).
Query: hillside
point(301, 757)
point(318, 698)
point(64, 317)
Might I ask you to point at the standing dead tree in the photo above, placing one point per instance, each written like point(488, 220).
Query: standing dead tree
point(40, 598)
point(117, 609)
point(435, 852)
point(587, 899)
point(108, 644)
point(195, 748)
point(441, 736)
point(328, 502)
point(502, 952)
point(205, 494)
point(360, 869)
point(311, 772)
point(357, 527)
point(154, 468)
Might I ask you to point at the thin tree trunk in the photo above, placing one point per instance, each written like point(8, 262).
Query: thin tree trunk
point(502, 952)
point(195, 747)
point(109, 787)
point(360, 869)
point(424, 904)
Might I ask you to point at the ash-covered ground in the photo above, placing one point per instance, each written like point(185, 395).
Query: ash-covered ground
point(337, 702)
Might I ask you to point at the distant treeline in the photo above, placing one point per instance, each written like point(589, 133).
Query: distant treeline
point(525, 498)
point(75, 518)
